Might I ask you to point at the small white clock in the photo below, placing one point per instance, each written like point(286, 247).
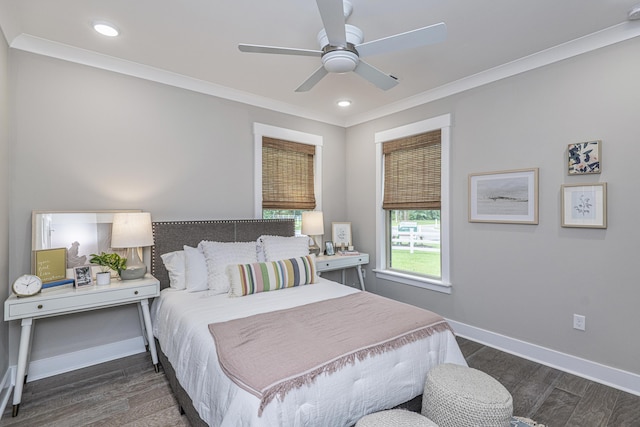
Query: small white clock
point(27, 285)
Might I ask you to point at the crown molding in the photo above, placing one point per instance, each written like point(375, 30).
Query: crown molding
point(591, 42)
point(609, 36)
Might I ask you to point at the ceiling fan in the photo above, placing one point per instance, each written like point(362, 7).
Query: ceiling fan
point(341, 46)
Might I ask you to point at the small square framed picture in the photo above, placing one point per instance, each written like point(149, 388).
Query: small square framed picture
point(82, 275)
point(329, 248)
point(584, 205)
point(584, 157)
point(341, 233)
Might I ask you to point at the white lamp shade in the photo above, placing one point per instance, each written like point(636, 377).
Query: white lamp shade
point(131, 230)
point(312, 223)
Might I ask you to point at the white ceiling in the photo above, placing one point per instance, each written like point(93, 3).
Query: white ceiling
point(193, 44)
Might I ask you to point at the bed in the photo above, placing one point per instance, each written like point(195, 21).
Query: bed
point(336, 393)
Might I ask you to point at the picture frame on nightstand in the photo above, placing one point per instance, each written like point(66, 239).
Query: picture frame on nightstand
point(328, 248)
point(82, 276)
point(341, 233)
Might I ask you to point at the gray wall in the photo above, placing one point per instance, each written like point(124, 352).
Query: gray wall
point(88, 139)
point(526, 281)
point(4, 198)
point(99, 140)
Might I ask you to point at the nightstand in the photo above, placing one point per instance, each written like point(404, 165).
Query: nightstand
point(67, 300)
point(342, 262)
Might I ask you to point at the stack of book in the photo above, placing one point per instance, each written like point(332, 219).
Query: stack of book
point(345, 252)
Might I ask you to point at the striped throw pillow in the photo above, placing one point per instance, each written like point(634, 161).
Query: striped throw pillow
point(249, 279)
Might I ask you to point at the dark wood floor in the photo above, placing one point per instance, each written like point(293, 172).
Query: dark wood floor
point(127, 392)
point(552, 397)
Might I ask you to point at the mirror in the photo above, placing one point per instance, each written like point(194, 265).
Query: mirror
point(81, 233)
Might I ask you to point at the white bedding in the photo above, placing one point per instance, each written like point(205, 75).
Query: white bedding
point(180, 322)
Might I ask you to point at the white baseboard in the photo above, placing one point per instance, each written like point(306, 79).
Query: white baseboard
point(5, 389)
point(613, 377)
point(67, 362)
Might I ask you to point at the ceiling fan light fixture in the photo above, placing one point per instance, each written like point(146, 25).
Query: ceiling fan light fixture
point(340, 61)
point(106, 28)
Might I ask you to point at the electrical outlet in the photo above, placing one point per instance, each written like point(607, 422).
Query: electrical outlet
point(579, 322)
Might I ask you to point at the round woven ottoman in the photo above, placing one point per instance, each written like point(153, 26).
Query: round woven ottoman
point(395, 418)
point(456, 395)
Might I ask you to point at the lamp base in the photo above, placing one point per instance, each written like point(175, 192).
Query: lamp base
point(314, 249)
point(136, 269)
point(132, 273)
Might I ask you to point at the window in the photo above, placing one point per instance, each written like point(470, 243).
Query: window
point(288, 168)
point(413, 223)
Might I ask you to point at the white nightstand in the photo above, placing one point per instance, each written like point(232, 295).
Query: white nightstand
point(342, 262)
point(67, 300)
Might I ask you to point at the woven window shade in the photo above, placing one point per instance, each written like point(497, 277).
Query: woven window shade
point(412, 172)
point(287, 175)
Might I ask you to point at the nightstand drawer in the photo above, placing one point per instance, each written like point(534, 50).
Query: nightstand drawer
point(338, 262)
point(79, 301)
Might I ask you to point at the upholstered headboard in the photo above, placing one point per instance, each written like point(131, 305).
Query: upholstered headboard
point(171, 236)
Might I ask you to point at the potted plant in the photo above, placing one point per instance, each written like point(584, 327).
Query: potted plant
point(107, 262)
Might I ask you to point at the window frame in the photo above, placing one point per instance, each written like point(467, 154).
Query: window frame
point(381, 270)
point(260, 130)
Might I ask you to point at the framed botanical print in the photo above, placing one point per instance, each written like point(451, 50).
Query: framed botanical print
point(584, 205)
point(341, 233)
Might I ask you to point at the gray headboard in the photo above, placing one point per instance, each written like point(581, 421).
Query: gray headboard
point(171, 236)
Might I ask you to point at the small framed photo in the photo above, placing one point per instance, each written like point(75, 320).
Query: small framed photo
point(341, 233)
point(328, 248)
point(584, 157)
point(584, 205)
point(504, 197)
point(82, 275)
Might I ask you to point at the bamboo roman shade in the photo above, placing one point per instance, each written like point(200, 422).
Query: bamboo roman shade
point(412, 172)
point(287, 175)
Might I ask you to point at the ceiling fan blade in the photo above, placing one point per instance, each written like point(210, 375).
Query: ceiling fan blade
point(312, 80)
point(375, 76)
point(254, 48)
point(332, 14)
point(411, 39)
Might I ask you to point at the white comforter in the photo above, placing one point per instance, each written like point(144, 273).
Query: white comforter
point(180, 322)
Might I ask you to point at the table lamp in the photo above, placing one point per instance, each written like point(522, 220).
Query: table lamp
point(313, 226)
point(132, 230)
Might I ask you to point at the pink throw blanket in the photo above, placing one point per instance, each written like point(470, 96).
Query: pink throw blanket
point(272, 353)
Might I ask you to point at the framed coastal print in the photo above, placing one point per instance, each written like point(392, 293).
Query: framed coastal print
point(584, 157)
point(504, 197)
point(341, 233)
point(584, 205)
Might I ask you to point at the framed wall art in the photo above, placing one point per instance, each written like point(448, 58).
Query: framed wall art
point(341, 233)
point(584, 157)
point(584, 205)
point(504, 197)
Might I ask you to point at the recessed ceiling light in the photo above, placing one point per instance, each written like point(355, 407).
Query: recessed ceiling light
point(105, 28)
point(634, 13)
point(344, 103)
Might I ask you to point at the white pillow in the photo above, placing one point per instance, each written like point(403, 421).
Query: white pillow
point(195, 270)
point(279, 247)
point(174, 263)
point(220, 254)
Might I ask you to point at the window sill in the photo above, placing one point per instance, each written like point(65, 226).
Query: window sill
point(408, 279)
